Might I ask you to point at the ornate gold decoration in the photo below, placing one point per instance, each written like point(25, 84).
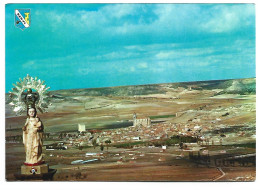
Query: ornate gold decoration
point(18, 95)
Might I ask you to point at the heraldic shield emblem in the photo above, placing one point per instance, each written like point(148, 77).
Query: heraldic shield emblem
point(22, 18)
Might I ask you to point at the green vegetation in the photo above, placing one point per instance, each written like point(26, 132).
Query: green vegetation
point(94, 143)
point(129, 145)
point(246, 145)
point(175, 140)
point(207, 85)
point(70, 128)
point(242, 92)
point(246, 86)
point(101, 147)
point(171, 141)
point(107, 143)
point(246, 148)
point(118, 91)
point(242, 87)
point(161, 116)
point(177, 85)
point(84, 147)
point(216, 84)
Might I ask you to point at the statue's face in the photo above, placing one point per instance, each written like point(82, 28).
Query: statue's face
point(31, 112)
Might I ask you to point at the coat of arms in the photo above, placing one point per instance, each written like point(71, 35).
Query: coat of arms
point(22, 18)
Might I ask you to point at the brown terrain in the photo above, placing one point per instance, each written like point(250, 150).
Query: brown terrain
point(225, 111)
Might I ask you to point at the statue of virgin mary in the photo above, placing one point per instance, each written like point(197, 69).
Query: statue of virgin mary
point(32, 138)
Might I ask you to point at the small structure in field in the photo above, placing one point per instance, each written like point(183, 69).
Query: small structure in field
point(81, 128)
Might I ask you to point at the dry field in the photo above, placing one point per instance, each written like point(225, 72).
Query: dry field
point(194, 105)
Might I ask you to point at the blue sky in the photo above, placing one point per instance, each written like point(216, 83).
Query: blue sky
point(99, 45)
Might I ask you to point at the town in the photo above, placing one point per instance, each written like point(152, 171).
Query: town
point(175, 127)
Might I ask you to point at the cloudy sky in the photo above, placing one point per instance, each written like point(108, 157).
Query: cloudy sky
point(100, 45)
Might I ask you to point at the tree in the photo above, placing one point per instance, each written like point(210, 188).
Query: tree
point(107, 142)
point(181, 145)
point(101, 147)
point(80, 147)
point(94, 143)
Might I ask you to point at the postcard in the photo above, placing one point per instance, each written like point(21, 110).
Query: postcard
point(130, 92)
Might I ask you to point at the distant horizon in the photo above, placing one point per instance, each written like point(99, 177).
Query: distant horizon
point(148, 84)
point(80, 46)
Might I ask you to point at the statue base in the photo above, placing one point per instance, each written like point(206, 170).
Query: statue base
point(38, 172)
point(39, 169)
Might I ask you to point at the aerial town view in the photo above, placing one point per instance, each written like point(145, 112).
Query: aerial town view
point(204, 131)
point(130, 92)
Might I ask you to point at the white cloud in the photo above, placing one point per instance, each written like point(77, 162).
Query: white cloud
point(119, 10)
point(152, 47)
point(188, 52)
point(164, 55)
point(83, 71)
point(132, 69)
point(28, 64)
point(228, 18)
point(157, 69)
point(143, 65)
point(162, 19)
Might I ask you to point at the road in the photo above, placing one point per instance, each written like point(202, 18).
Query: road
point(223, 174)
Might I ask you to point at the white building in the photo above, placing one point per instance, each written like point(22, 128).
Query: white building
point(136, 138)
point(81, 127)
point(144, 121)
point(197, 128)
